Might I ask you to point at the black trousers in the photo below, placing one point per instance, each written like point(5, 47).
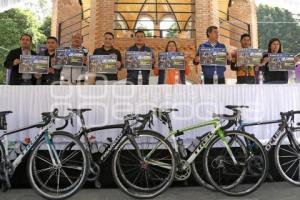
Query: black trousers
point(245, 80)
point(211, 81)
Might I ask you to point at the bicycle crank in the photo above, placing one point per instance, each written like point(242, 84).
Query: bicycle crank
point(183, 174)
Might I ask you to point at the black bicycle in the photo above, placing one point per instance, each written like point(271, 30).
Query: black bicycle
point(53, 172)
point(286, 140)
point(137, 175)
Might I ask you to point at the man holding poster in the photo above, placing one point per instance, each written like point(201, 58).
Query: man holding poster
point(217, 71)
point(107, 49)
point(132, 75)
point(73, 71)
point(245, 74)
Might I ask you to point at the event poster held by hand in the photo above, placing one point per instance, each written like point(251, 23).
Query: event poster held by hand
point(41, 48)
point(60, 58)
point(168, 60)
point(281, 62)
point(34, 64)
point(103, 64)
point(75, 57)
point(69, 57)
point(138, 60)
point(213, 56)
point(249, 57)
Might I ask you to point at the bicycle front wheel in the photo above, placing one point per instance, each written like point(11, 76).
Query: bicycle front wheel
point(144, 166)
point(236, 164)
point(54, 171)
point(287, 157)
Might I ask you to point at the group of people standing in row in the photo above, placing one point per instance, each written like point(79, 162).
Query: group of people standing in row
point(245, 74)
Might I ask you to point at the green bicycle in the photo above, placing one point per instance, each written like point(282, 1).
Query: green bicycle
point(223, 154)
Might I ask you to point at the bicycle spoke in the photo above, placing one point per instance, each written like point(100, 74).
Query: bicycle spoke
point(74, 167)
point(291, 166)
point(43, 170)
point(58, 181)
point(290, 161)
point(51, 175)
point(74, 153)
point(294, 153)
point(64, 173)
point(295, 172)
point(42, 158)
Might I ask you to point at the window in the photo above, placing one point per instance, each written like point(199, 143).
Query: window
point(145, 23)
point(159, 18)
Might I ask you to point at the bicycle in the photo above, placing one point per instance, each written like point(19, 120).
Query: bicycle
point(232, 156)
point(146, 177)
point(287, 144)
point(52, 173)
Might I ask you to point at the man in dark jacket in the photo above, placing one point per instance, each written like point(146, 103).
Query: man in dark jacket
point(13, 60)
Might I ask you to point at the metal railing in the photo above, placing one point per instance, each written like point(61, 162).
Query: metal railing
point(234, 26)
point(77, 23)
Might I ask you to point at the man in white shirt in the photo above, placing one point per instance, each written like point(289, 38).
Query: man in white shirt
point(75, 74)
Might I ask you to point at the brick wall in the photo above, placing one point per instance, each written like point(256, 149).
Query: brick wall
point(206, 14)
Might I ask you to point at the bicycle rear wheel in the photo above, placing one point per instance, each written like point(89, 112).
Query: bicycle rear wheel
point(140, 175)
point(4, 174)
point(242, 177)
point(287, 157)
point(61, 180)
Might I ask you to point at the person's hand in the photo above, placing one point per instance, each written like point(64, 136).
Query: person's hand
point(233, 60)
point(85, 60)
point(229, 58)
point(16, 62)
point(119, 65)
point(51, 70)
point(197, 59)
point(156, 71)
point(52, 61)
point(38, 76)
point(265, 60)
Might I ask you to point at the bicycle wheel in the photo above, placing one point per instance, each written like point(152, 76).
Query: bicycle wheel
point(62, 180)
point(287, 157)
point(138, 172)
point(4, 175)
point(198, 170)
point(242, 177)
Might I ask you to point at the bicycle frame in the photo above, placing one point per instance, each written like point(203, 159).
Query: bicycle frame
point(283, 128)
point(43, 132)
point(216, 132)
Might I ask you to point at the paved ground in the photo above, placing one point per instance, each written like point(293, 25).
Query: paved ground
point(269, 191)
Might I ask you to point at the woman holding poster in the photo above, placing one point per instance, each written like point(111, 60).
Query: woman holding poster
point(171, 75)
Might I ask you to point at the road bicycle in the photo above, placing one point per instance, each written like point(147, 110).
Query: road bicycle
point(52, 173)
point(146, 177)
point(286, 140)
point(218, 150)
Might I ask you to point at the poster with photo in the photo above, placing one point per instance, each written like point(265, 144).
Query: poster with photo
point(41, 48)
point(60, 58)
point(74, 57)
point(281, 62)
point(168, 60)
point(34, 64)
point(138, 60)
point(249, 57)
point(103, 64)
point(213, 56)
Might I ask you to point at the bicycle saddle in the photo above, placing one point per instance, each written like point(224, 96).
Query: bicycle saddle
point(167, 110)
point(235, 106)
point(79, 111)
point(3, 113)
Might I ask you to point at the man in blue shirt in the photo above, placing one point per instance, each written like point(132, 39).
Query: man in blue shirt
point(132, 75)
point(208, 71)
